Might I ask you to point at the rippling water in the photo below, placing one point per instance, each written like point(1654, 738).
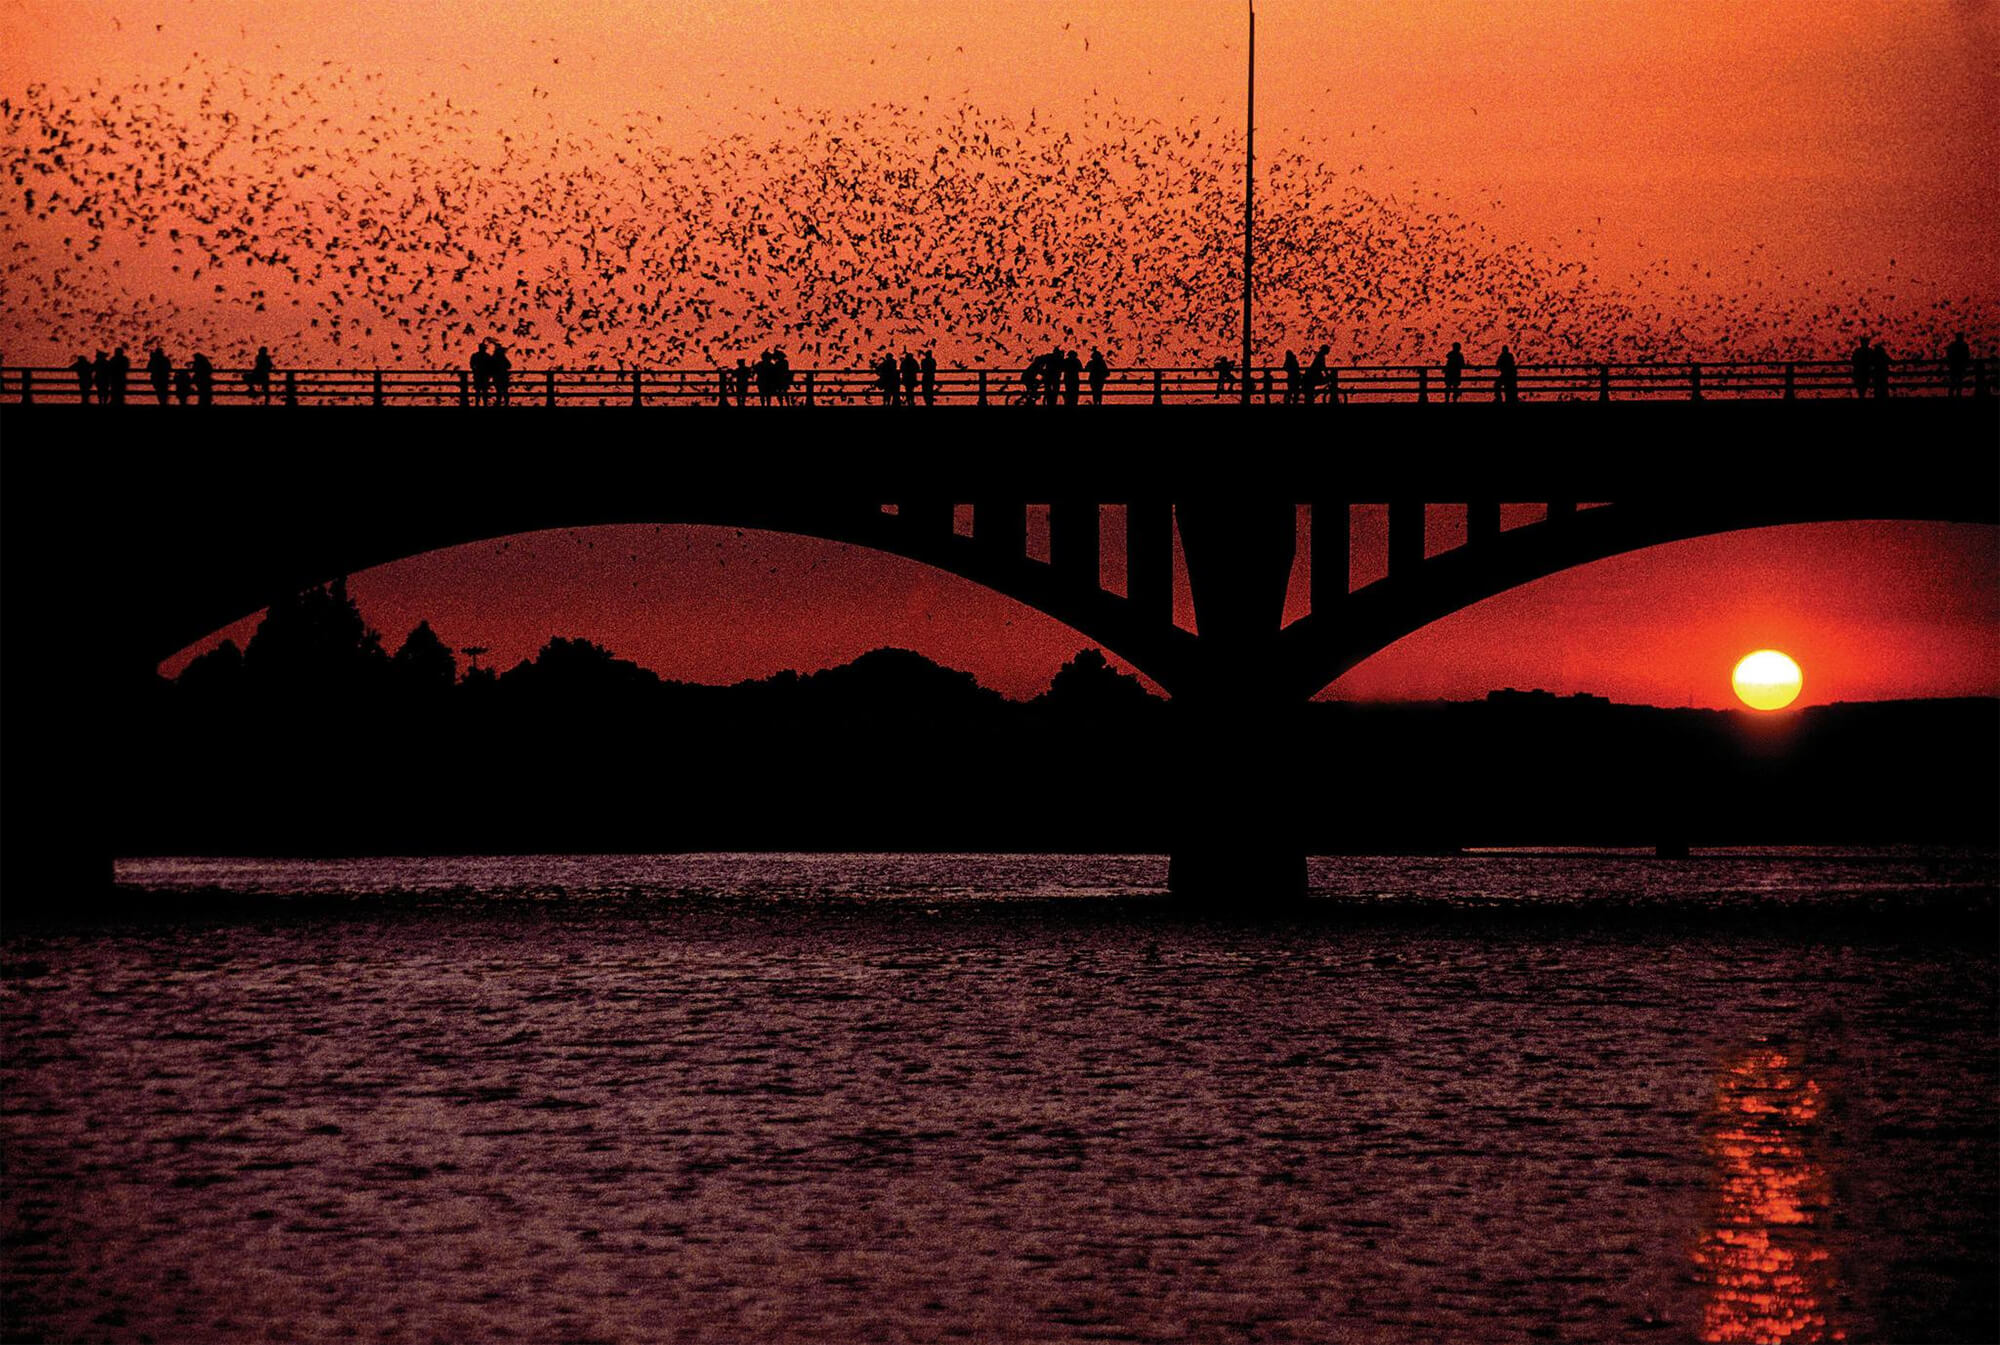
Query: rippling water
point(728, 1098)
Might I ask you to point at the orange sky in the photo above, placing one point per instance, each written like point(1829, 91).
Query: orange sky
point(1830, 133)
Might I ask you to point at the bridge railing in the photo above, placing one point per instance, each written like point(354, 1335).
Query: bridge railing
point(1345, 384)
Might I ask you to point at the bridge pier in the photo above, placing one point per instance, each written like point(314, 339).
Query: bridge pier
point(66, 708)
point(1239, 843)
point(1239, 838)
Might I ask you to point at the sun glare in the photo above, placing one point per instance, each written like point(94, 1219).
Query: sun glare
point(1767, 680)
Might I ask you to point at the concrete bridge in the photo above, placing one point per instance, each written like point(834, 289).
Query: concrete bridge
point(129, 535)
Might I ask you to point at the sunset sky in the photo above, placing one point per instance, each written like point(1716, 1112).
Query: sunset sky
point(1780, 173)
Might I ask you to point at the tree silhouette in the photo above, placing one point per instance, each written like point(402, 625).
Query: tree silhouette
point(314, 639)
point(580, 668)
point(424, 664)
point(1088, 684)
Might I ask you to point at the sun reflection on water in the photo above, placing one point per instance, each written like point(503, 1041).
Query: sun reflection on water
point(1767, 1274)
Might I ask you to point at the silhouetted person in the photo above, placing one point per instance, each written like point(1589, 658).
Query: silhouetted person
point(885, 378)
point(1291, 378)
point(1098, 371)
point(183, 387)
point(1052, 377)
point(120, 366)
point(1031, 381)
point(1225, 375)
point(741, 379)
point(1315, 374)
point(82, 368)
point(912, 371)
point(160, 372)
point(502, 371)
point(1864, 367)
point(100, 375)
point(781, 376)
point(927, 369)
point(1957, 362)
point(1454, 371)
point(1267, 385)
point(204, 380)
point(1879, 370)
point(1332, 387)
point(482, 374)
point(258, 380)
point(1509, 383)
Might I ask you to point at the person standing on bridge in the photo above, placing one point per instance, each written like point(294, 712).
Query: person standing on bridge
point(100, 376)
point(183, 386)
point(1072, 373)
point(1098, 371)
point(1508, 386)
point(1454, 371)
point(1957, 361)
point(781, 375)
point(258, 380)
point(912, 374)
point(204, 380)
point(1315, 374)
point(927, 371)
point(1225, 376)
point(82, 369)
point(159, 372)
point(481, 365)
point(502, 370)
point(1291, 377)
point(121, 370)
point(1864, 367)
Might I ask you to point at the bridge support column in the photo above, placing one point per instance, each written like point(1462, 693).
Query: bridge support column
point(1331, 526)
point(1149, 560)
point(1482, 520)
point(1073, 543)
point(64, 722)
point(1406, 536)
point(1000, 530)
point(1239, 835)
point(1239, 843)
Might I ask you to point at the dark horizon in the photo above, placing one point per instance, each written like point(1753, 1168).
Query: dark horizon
point(285, 748)
point(463, 667)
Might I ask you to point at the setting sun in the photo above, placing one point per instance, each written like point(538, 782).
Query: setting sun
point(1767, 680)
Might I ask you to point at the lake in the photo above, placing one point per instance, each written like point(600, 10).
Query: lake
point(1579, 1096)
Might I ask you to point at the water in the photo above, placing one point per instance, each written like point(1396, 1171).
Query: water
point(726, 1098)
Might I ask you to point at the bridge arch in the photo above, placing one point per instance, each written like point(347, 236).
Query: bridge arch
point(1319, 648)
point(191, 606)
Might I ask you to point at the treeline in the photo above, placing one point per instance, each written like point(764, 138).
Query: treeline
point(316, 738)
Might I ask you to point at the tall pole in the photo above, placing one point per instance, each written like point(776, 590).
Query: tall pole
point(1249, 179)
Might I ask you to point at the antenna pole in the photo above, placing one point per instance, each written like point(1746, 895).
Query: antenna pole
point(1249, 179)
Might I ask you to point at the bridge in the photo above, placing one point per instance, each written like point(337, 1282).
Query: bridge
point(1414, 384)
point(132, 534)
